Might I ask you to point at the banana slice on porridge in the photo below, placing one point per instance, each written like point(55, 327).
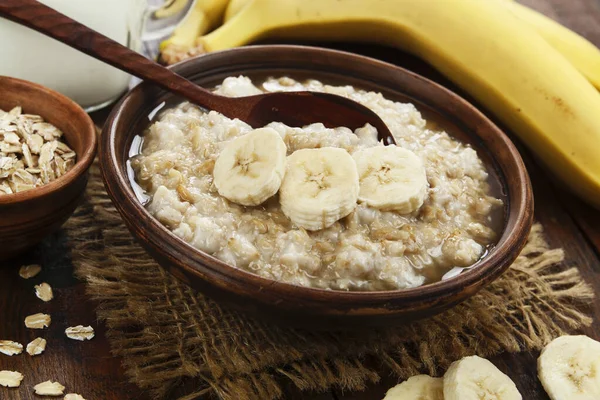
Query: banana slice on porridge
point(391, 179)
point(250, 168)
point(320, 187)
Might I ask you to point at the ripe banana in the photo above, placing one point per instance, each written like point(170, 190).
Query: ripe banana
point(391, 178)
point(480, 45)
point(422, 387)
point(170, 8)
point(204, 16)
point(474, 378)
point(234, 7)
point(569, 368)
point(320, 187)
point(579, 51)
point(250, 168)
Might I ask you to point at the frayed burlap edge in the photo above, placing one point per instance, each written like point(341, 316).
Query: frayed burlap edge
point(167, 333)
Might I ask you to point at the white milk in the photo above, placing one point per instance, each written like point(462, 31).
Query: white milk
point(29, 55)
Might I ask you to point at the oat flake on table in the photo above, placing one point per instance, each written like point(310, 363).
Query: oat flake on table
point(10, 348)
point(80, 332)
point(38, 321)
point(36, 346)
point(29, 271)
point(11, 379)
point(44, 292)
point(74, 396)
point(49, 388)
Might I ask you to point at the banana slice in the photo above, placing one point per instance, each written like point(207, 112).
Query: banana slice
point(422, 387)
point(569, 368)
point(250, 168)
point(475, 378)
point(320, 187)
point(391, 179)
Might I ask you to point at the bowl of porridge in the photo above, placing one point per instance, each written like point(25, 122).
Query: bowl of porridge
point(47, 144)
point(318, 225)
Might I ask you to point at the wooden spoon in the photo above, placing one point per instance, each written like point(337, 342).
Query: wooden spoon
point(291, 108)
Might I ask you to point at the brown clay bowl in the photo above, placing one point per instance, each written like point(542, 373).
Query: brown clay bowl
point(301, 306)
point(27, 217)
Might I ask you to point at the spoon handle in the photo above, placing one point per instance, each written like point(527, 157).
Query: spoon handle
point(50, 22)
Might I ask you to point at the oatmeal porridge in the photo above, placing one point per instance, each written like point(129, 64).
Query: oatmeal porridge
point(319, 207)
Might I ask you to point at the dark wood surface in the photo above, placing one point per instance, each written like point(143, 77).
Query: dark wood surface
point(89, 368)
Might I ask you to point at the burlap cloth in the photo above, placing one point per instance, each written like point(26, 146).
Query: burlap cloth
point(168, 334)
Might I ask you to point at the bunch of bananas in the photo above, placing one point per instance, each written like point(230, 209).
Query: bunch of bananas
point(535, 75)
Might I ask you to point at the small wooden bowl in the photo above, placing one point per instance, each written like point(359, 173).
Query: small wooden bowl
point(301, 306)
point(27, 217)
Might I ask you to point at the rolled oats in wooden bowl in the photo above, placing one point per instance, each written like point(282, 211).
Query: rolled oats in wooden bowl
point(47, 144)
point(32, 152)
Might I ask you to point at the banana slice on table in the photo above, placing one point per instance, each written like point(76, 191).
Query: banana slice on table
point(421, 387)
point(250, 168)
point(569, 368)
point(475, 378)
point(320, 187)
point(391, 179)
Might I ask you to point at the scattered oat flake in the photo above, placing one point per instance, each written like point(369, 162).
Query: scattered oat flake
point(36, 346)
point(80, 332)
point(10, 348)
point(44, 292)
point(10, 379)
point(74, 396)
point(38, 321)
point(29, 271)
point(49, 388)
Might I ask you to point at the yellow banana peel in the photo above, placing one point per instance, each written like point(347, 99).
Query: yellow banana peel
point(234, 7)
point(204, 16)
point(579, 51)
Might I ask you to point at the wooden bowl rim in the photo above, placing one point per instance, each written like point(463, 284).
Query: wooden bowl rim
point(83, 162)
point(489, 268)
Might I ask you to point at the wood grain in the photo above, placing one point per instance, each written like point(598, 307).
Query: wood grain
point(88, 366)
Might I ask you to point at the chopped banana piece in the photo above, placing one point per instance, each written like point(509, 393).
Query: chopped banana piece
point(29, 271)
point(391, 178)
point(10, 348)
point(38, 321)
point(49, 388)
point(569, 368)
point(11, 379)
point(474, 378)
point(250, 168)
point(44, 292)
point(80, 332)
point(421, 387)
point(320, 186)
point(36, 346)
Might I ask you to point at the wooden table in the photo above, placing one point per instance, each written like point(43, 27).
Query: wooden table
point(88, 367)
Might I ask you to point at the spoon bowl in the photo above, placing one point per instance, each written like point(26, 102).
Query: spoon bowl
point(291, 108)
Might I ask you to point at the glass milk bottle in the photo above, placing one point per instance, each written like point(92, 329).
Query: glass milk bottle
point(29, 55)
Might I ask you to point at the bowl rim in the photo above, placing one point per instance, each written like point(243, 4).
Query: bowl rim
point(488, 268)
point(81, 165)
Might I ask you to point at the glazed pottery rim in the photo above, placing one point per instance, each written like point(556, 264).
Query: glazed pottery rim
point(82, 163)
point(483, 271)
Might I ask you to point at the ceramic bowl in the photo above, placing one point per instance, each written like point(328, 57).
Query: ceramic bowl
point(302, 306)
point(27, 217)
